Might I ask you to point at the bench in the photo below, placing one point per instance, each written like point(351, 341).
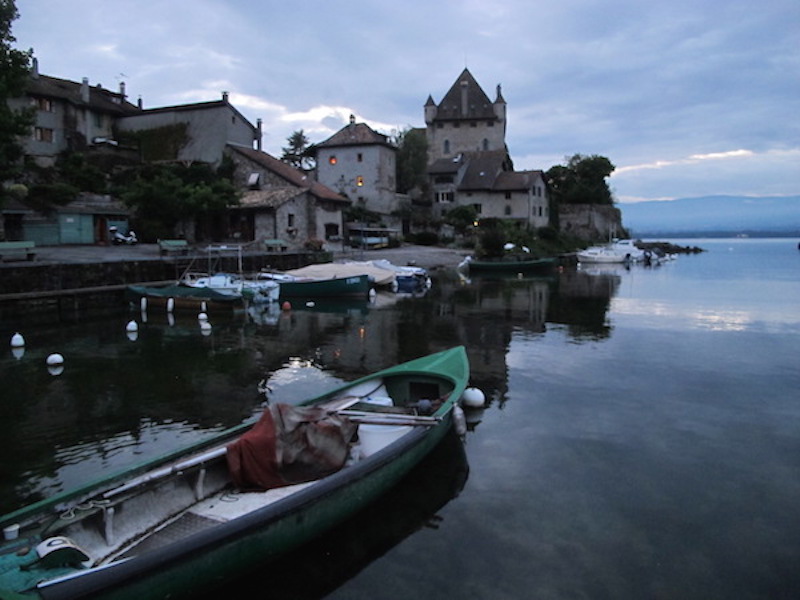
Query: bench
point(177, 246)
point(18, 249)
point(274, 245)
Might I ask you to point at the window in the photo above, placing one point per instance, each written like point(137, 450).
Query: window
point(508, 195)
point(43, 104)
point(447, 146)
point(332, 159)
point(290, 220)
point(473, 124)
point(478, 208)
point(360, 157)
point(439, 125)
point(445, 197)
point(444, 179)
point(456, 125)
point(43, 134)
point(485, 144)
point(490, 123)
point(360, 181)
point(508, 210)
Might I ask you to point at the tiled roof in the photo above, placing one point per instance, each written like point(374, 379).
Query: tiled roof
point(482, 169)
point(516, 180)
point(355, 134)
point(475, 105)
point(292, 176)
point(100, 99)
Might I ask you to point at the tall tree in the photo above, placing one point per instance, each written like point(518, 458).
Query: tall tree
point(297, 152)
point(582, 180)
point(14, 71)
point(412, 160)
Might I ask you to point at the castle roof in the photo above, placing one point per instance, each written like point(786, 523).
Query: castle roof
point(355, 134)
point(466, 100)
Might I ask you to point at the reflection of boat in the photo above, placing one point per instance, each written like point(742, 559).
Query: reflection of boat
point(181, 297)
point(177, 524)
point(254, 289)
point(508, 264)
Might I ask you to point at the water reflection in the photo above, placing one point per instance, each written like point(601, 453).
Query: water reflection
point(176, 380)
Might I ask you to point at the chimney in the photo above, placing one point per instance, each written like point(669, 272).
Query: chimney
point(122, 90)
point(139, 103)
point(259, 134)
point(35, 68)
point(225, 97)
point(85, 90)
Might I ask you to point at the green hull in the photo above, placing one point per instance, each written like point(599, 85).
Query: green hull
point(209, 557)
point(511, 266)
point(345, 287)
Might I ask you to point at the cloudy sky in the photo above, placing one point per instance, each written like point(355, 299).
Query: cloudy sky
point(685, 97)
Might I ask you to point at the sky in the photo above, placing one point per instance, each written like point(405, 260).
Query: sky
point(687, 98)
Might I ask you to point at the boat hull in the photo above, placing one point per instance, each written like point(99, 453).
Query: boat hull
point(511, 266)
point(357, 286)
point(179, 297)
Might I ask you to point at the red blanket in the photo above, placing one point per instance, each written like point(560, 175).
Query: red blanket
point(290, 445)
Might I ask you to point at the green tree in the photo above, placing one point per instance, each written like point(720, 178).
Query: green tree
point(14, 70)
point(581, 181)
point(462, 218)
point(298, 151)
point(412, 160)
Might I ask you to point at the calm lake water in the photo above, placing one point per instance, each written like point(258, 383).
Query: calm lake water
point(641, 437)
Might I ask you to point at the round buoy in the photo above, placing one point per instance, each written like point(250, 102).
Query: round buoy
point(473, 397)
point(54, 360)
point(286, 305)
point(310, 304)
point(132, 327)
point(202, 317)
point(170, 304)
point(17, 341)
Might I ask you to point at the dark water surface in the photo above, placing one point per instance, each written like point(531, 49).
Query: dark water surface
point(641, 439)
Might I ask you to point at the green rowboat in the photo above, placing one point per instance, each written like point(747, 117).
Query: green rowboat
point(175, 526)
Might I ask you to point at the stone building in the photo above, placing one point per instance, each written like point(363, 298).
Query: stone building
point(281, 203)
point(469, 163)
point(360, 164)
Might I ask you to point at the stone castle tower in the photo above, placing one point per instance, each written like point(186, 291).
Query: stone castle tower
point(465, 121)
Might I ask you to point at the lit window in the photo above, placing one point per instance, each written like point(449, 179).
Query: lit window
point(332, 160)
point(359, 181)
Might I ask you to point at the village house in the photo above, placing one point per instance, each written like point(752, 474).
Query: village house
point(282, 205)
point(278, 202)
point(469, 163)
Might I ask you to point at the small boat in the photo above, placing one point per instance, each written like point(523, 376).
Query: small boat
point(354, 286)
point(253, 289)
point(181, 297)
point(180, 524)
point(508, 264)
point(604, 254)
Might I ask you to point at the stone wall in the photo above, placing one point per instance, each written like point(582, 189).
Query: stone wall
point(591, 222)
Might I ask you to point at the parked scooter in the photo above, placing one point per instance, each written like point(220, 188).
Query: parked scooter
point(118, 238)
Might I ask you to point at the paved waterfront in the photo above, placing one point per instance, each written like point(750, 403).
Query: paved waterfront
point(428, 257)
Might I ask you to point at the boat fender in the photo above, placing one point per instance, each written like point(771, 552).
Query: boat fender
point(473, 398)
point(459, 420)
point(60, 551)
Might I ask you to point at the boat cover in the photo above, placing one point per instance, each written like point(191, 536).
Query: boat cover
point(288, 445)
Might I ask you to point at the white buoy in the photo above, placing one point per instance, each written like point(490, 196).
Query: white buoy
point(310, 304)
point(17, 341)
point(132, 327)
point(372, 294)
point(473, 397)
point(143, 304)
point(55, 359)
point(202, 317)
point(170, 304)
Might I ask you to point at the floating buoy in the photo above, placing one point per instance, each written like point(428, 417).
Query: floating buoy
point(473, 397)
point(17, 341)
point(202, 316)
point(132, 327)
point(286, 305)
point(170, 304)
point(54, 360)
point(310, 304)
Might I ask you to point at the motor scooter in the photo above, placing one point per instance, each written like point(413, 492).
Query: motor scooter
point(118, 238)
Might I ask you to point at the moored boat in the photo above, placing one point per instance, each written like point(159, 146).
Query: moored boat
point(253, 289)
point(510, 264)
point(180, 297)
point(175, 525)
point(354, 286)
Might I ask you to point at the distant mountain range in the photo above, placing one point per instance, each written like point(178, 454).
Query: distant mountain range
point(714, 214)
